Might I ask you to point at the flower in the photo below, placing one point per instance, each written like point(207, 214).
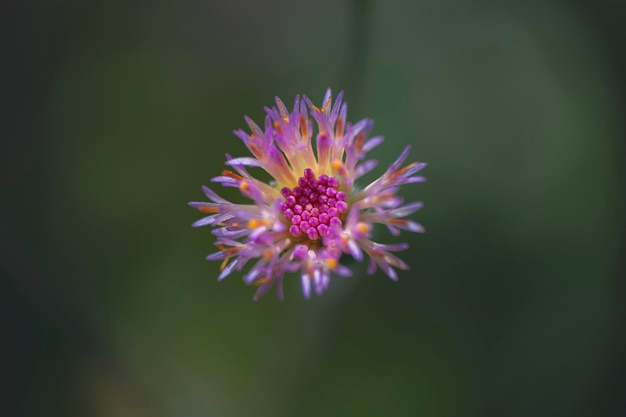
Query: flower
point(313, 211)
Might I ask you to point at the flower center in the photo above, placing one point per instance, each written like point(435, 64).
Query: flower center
point(313, 205)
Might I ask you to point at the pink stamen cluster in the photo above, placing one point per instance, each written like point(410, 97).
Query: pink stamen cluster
point(314, 205)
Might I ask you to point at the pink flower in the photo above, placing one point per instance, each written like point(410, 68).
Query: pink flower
point(313, 211)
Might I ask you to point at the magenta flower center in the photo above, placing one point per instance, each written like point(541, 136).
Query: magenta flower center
point(314, 205)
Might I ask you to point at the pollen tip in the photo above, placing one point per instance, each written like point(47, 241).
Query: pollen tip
point(362, 228)
point(206, 209)
point(260, 282)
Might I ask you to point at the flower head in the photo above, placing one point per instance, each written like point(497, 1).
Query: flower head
point(313, 211)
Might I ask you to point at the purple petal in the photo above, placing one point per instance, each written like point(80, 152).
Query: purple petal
point(406, 210)
point(205, 221)
point(216, 256)
point(306, 286)
point(198, 204)
point(226, 181)
point(365, 167)
point(394, 247)
point(414, 180)
point(337, 104)
point(246, 161)
point(213, 196)
point(372, 143)
point(233, 233)
point(229, 268)
point(415, 227)
point(396, 164)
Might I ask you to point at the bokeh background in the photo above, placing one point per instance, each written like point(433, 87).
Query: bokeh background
point(116, 112)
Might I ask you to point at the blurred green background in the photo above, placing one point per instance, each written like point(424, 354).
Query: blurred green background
point(119, 111)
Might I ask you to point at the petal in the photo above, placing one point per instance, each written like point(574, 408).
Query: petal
point(245, 160)
point(306, 286)
point(406, 210)
point(372, 143)
point(213, 196)
point(205, 221)
point(229, 268)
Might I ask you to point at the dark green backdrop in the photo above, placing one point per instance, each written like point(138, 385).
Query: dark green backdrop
point(120, 110)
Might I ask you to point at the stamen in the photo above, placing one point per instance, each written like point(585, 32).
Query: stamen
point(326, 105)
point(313, 205)
point(261, 281)
point(284, 113)
point(303, 128)
point(254, 223)
point(256, 130)
point(231, 174)
point(359, 141)
point(338, 167)
point(278, 128)
point(403, 170)
point(206, 209)
point(339, 130)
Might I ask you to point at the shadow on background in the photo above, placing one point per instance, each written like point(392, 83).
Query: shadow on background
point(120, 111)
